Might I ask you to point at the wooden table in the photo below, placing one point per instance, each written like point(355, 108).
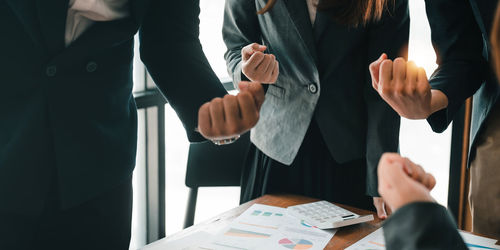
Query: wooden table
point(343, 238)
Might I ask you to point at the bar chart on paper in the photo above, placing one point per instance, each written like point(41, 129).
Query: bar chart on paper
point(267, 227)
point(374, 241)
point(246, 234)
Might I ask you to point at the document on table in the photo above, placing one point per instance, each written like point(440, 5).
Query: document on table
point(267, 227)
point(375, 241)
point(190, 242)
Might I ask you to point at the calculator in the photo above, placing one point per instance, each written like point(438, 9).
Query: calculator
point(325, 215)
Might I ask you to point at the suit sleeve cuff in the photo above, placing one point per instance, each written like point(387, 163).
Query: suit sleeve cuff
point(238, 76)
point(440, 120)
point(422, 225)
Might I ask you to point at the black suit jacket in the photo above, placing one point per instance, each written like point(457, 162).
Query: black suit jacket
point(422, 226)
point(460, 34)
point(68, 114)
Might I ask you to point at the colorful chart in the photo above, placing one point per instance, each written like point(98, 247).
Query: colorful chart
point(267, 214)
point(303, 223)
point(296, 244)
point(246, 234)
point(256, 212)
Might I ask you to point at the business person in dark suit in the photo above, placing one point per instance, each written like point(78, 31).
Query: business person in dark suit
point(418, 222)
point(460, 34)
point(68, 118)
point(322, 127)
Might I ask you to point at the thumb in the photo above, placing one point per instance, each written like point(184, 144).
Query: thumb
point(249, 50)
point(379, 205)
point(375, 68)
point(258, 47)
point(256, 90)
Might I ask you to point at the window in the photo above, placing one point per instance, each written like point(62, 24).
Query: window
point(212, 201)
point(417, 141)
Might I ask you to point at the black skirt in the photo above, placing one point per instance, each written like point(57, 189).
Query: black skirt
point(313, 173)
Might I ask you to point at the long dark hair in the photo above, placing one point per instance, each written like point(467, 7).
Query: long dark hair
point(348, 12)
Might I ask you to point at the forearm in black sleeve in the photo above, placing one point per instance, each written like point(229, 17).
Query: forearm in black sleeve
point(241, 28)
point(422, 226)
point(172, 53)
point(390, 36)
point(458, 43)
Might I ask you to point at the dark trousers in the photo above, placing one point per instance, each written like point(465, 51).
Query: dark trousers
point(101, 223)
point(313, 173)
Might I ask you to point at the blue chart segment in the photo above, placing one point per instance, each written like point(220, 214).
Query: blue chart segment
point(305, 224)
point(478, 246)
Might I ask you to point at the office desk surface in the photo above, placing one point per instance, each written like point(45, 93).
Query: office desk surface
point(343, 238)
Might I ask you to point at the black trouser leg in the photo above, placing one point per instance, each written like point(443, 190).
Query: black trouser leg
point(101, 223)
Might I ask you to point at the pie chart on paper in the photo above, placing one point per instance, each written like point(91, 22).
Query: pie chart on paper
point(296, 244)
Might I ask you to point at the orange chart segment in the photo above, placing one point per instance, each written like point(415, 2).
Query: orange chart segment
point(246, 234)
point(296, 244)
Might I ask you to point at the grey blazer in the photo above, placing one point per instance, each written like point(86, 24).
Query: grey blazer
point(326, 82)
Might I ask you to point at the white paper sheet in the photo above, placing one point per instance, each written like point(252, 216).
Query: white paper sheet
point(376, 241)
point(266, 227)
point(190, 242)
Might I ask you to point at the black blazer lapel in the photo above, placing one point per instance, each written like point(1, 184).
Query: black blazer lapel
point(27, 13)
point(299, 14)
point(52, 15)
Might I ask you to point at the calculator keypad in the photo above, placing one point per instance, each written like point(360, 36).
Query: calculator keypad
point(321, 213)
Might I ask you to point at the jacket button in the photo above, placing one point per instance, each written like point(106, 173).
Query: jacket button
point(51, 71)
point(312, 88)
point(91, 67)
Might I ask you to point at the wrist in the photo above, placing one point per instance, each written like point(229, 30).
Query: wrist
point(226, 141)
point(426, 198)
point(439, 101)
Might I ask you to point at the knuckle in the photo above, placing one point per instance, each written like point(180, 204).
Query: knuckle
point(386, 64)
point(387, 91)
point(205, 106)
point(229, 98)
point(421, 90)
point(400, 89)
point(399, 61)
point(244, 95)
point(217, 100)
point(372, 66)
point(233, 129)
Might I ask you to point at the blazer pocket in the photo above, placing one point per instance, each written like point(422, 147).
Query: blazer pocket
point(276, 91)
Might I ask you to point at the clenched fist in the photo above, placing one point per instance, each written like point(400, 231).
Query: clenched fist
point(405, 87)
point(231, 116)
point(257, 66)
point(402, 182)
